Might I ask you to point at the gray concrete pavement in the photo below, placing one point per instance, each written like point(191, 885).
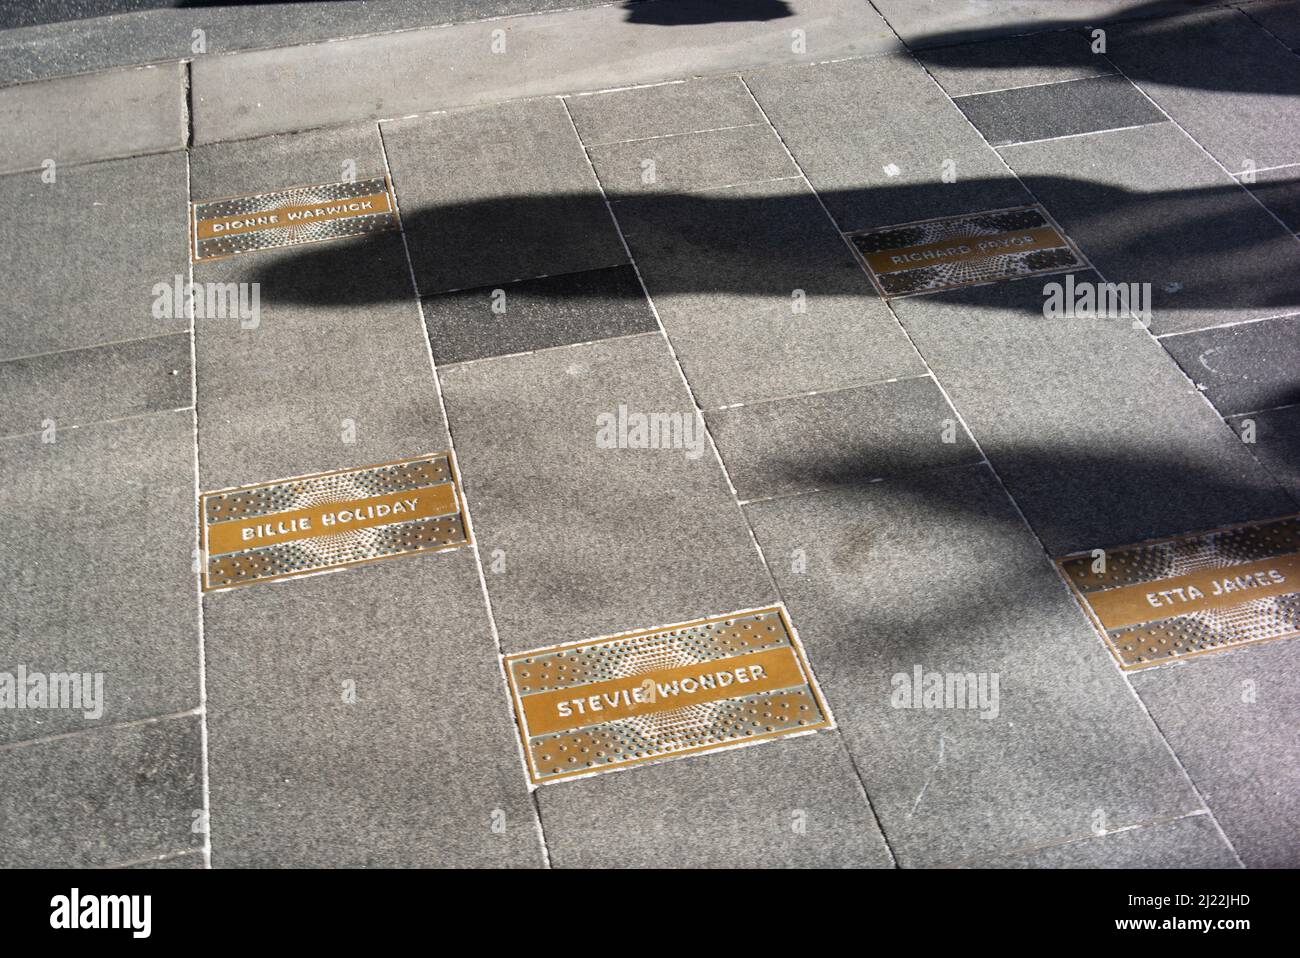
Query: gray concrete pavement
point(618, 212)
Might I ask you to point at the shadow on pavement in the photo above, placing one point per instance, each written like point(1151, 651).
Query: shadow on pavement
point(745, 246)
point(1145, 493)
point(768, 244)
point(965, 49)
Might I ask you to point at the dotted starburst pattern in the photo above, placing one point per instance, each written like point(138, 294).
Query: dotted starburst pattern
point(671, 729)
point(1206, 630)
point(346, 547)
point(301, 231)
point(933, 275)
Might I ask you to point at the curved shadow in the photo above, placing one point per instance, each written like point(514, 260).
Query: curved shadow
point(768, 244)
point(1007, 31)
point(1158, 51)
point(1140, 493)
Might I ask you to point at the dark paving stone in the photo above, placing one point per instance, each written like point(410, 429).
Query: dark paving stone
point(80, 386)
point(108, 796)
point(83, 254)
point(791, 803)
point(412, 772)
point(1051, 403)
point(691, 161)
point(1148, 206)
point(760, 296)
point(847, 122)
point(1231, 720)
point(1243, 368)
point(1015, 62)
point(1058, 109)
point(538, 314)
point(937, 571)
point(1279, 190)
point(1191, 842)
point(100, 116)
point(96, 551)
point(1277, 444)
point(338, 338)
point(1222, 78)
point(662, 110)
point(497, 194)
point(581, 539)
point(845, 437)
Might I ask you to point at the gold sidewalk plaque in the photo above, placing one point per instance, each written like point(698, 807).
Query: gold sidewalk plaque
point(661, 693)
point(954, 251)
point(1171, 599)
point(305, 214)
point(277, 530)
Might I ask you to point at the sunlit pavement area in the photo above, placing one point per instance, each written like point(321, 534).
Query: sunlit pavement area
point(641, 208)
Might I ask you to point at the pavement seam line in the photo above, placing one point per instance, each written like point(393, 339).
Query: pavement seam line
point(1245, 12)
point(469, 523)
point(97, 422)
point(1266, 169)
point(152, 859)
point(1027, 86)
point(668, 136)
point(108, 158)
point(1065, 587)
point(865, 384)
point(1257, 412)
point(202, 558)
point(511, 282)
point(77, 349)
point(1073, 136)
point(1240, 322)
point(198, 536)
point(643, 195)
point(1079, 839)
point(94, 729)
point(545, 349)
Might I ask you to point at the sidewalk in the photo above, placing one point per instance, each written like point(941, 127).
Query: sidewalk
point(610, 208)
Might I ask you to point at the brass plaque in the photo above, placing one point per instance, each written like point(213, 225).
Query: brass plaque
point(624, 700)
point(305, 214)
point(969, 250)
point(278, 530)
point(1166, 600)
